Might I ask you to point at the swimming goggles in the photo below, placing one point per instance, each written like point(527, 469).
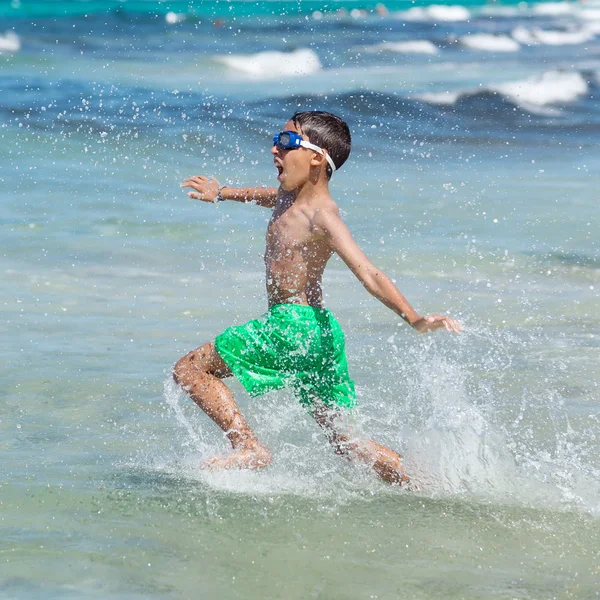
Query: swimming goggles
point(288, 140)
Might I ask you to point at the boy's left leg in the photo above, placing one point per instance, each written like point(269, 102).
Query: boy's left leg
point(200, 373)
point(383, 460)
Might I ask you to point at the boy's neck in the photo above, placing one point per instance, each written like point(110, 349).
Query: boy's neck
point(306, 194)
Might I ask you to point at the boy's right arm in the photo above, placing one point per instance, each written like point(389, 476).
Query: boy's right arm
point(207, 189)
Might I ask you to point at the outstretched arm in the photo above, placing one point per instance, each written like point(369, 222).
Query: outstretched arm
point(375, 281)
point(207, 190)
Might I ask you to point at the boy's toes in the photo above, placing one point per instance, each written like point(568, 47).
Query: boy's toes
point(255, 458)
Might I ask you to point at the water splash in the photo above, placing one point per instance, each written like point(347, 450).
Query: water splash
point(304, 463)
point(462, 426)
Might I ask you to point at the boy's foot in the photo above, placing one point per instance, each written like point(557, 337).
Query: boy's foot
point(256, 457)
point(387, 463)
point(392, 471)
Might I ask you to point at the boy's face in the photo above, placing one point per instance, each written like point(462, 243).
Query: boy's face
point(294, 165)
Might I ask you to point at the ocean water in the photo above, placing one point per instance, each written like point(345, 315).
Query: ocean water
point(473, 182)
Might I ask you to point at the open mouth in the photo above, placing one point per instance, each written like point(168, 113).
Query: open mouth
point(279, 169)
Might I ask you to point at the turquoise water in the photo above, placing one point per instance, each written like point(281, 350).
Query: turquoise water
point(473, 182)
point(219, 8)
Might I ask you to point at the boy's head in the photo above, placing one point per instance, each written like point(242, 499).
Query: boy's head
point(322, 129)
point(326, 131)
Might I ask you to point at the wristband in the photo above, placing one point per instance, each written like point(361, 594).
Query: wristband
point(220, 198)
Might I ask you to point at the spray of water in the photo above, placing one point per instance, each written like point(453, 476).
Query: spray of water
point(458, 411)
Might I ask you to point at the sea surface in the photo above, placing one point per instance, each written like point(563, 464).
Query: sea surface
point(473, 182)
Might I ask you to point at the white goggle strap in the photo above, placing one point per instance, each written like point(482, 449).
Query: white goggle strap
point(310, 146)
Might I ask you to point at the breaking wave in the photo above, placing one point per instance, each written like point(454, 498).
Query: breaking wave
point(407, 47)
point(274, 64)
point(436, 13)
point(548, 89)
point(552, 37)
point(489, 42)
point(10, 42)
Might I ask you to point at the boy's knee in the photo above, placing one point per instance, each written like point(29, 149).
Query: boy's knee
point(180, 371)
point(190, 365)
point(185, 369)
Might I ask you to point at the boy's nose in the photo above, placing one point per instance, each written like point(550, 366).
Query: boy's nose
point(274, 150)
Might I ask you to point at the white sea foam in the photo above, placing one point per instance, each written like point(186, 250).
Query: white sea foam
point(524, 36)
point(593, 27)
point(589, 14)
point(563, 38)
point(435, 12)
point(489, 42)
point(552, 37)
point(553, 9)
point(172, 17)
point(10, 42)
point(408, 47)
point(448, 98)
point(274, 64)
point(550, 88)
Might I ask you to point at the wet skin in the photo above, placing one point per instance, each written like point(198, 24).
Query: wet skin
point(304, 231)
point(295, 257)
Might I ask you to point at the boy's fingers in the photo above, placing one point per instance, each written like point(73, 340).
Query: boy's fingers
point(435, 322)
point(456, 328)
point(197, 179)
point(438, 321)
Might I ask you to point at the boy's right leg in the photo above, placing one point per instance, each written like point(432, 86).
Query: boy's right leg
point(200, 373)
point(387, 463)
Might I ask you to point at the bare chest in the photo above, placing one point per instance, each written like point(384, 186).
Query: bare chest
point(287, 234)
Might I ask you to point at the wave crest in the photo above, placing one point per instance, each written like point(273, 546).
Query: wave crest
point(10, 42)
point(552, 37)
point(489, 42)
point(407, 47)
point(548, 89)
point(273, 64)
point(436, 12)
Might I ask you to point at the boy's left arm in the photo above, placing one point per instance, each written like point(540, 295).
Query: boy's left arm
point(376, 282)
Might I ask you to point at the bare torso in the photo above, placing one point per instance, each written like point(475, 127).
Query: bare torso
point(295, 255)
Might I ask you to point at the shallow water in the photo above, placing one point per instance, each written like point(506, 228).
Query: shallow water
point(478, 200)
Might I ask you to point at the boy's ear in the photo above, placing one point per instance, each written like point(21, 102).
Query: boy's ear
point(318, 159)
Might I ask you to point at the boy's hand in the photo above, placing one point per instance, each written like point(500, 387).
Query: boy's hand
point(433, 322)
point(206, 188)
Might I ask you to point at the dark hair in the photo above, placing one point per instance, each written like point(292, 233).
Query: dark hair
point(327, 131)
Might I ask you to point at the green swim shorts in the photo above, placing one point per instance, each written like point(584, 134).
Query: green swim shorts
point(292, 345)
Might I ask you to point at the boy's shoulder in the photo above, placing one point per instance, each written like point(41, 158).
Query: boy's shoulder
point(326, 204)
point(325, 213)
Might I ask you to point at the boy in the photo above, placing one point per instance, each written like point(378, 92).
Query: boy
point(298, 342)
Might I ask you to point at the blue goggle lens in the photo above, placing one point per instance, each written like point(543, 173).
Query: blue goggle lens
point(285, 140)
